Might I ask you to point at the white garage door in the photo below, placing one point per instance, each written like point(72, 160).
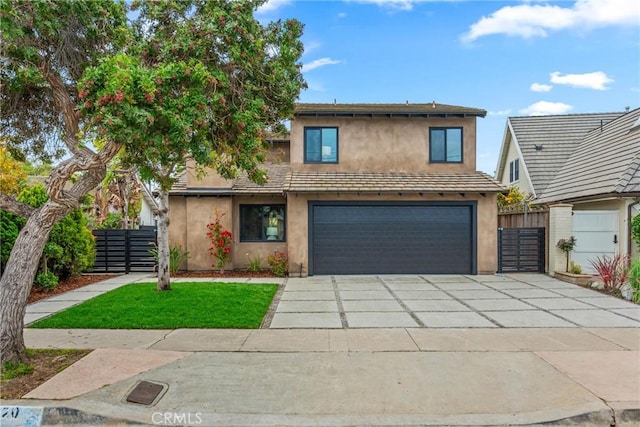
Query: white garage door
point(596, 234)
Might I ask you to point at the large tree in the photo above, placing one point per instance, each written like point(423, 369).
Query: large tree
point(199, 80)
point(203, 83)
point(46, 47)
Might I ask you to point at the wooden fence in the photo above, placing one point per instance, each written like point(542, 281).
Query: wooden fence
point(124, 251)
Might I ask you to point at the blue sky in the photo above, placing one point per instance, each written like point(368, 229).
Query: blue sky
point(513, 58)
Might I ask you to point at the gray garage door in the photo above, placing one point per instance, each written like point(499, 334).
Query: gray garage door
point(407, 238)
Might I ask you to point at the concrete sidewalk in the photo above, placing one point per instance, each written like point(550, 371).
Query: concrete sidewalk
point(414, 375)
point(348, 377)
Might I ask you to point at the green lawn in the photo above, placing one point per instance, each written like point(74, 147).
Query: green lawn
point(187, 305)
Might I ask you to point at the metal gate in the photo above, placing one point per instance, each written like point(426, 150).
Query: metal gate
point(521, 250)
point(124, 251)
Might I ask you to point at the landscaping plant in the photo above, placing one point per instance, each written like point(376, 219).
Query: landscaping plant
point(575, 268)
point(176, 257)
point(221, 241)
point(634, 280)
point(279, 263)
point(566, 246)
point(612, 271)
point(254, 263)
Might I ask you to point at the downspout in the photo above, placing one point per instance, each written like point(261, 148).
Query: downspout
point(629, 218)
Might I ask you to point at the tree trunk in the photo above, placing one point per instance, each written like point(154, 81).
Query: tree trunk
point(163, 242)
point(18, 276)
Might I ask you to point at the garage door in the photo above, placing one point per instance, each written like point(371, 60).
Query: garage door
point(596, 234)
point(392, 238)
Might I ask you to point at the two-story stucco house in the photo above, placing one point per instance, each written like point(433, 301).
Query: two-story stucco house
point(356, 189)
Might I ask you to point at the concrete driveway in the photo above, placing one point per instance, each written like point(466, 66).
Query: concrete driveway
point(447, 301)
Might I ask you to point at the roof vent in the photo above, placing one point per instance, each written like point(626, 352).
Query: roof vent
point(334, 101)
point(407, 102)
point(433, 104)
point(627, 108)
point(538, 147)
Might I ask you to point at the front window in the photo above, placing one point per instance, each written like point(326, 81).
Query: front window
point(514, 170)
point(321, 145)
point(260, 223)
point(445, 145)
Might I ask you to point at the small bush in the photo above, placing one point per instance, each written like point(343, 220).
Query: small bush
point(176, 256)
point(113, 220)
point(634, 280)
point(278, 263)
point(254, 263)
point(46, 281)
point(575, 268)
point(612, 271)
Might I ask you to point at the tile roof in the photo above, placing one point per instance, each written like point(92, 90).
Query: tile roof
point(302, 181)
point(605, 163)
point(276, 173)
point(387, 110)
point(559, 136)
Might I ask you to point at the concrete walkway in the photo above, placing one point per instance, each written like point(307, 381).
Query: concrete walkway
point(584, 369)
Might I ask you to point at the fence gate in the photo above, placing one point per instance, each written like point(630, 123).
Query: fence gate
point(124, 251)
point(521, 249)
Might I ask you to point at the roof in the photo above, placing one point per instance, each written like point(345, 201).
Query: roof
point(556, 138)
point(605, 163)
point(387, 110)
point(373, 182)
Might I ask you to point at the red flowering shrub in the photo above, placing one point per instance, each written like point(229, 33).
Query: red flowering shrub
point(221, 241)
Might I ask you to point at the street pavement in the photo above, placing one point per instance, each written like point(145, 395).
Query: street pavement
point(519, 349)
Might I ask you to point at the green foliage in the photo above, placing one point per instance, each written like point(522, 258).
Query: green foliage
point(612, 270)
point(71, 246)
point(278, 263)
point(12, 370)
point(575, 268)
point(566, 246)
point(635, 229)
point(634, 280)
point(176, 257)
point(254, 263)
point(113, 220)
point(10, 226)
point(200, 79)
point(188, 305)
point(46, 280)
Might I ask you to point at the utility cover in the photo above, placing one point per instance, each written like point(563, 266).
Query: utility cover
point(145, 393)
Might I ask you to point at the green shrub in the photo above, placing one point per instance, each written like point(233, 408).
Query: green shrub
point(635, 228)
point(575, 268)
point(279, 263)
point(113, 220)
point(254, 263)
point(70, 248)
point(10, 226)
point(634, 280)
point(46, 281)
point(176, 257)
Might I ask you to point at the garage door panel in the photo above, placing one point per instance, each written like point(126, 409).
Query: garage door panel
point(385, 239)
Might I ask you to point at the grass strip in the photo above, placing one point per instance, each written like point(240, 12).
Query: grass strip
point(187, 305)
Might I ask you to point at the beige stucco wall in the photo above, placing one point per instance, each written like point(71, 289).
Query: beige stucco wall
point(298, 230)
point(384, 144)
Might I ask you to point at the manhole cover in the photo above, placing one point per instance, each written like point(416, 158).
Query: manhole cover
point(145, 393)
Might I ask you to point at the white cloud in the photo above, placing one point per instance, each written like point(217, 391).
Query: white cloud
point(342, 15)
point(540, 87)
point(545, 108)
point(537, 20)
point(405, 5)
point(319, 63)
point(500, 113)
point(272, 5)
point(596, 80)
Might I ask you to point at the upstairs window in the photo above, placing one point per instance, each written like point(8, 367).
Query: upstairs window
point(262, 223)
point(514, 170)
point(445, 145)
point(321, 145)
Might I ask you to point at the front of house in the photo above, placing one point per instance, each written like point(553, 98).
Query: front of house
point(355, 189)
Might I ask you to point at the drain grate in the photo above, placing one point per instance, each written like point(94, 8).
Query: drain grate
point(145, 393)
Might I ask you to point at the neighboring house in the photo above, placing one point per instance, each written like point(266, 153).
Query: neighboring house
point(591, 161)
point(355, 189)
